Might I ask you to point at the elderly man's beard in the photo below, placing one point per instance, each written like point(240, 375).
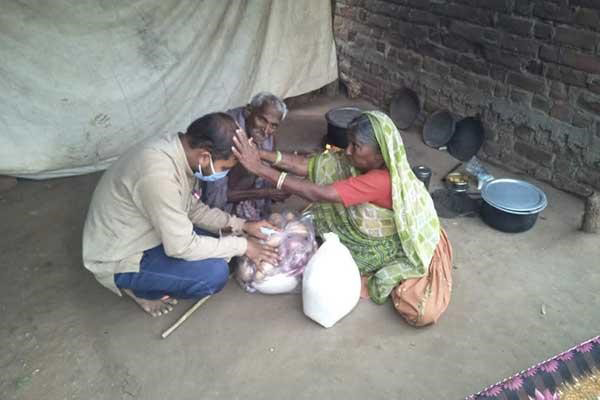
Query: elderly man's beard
point(258, 135)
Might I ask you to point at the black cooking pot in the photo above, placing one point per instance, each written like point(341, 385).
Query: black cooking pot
point(337, 125)
point(511, 205)
point(467, 139)
point(505, 221)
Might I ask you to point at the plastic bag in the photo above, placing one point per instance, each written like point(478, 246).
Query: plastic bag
point(475, 168)
point(331, 283)
point(296, 244)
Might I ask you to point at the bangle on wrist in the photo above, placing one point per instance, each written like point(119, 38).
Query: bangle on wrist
point(278, 157)
point(281, 179)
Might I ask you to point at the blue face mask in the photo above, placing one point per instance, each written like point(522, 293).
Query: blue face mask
point(215, 176)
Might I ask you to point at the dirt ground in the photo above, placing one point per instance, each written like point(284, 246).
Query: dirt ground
point(63, 336)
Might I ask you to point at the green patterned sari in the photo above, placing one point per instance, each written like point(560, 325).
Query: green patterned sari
point(390, 245)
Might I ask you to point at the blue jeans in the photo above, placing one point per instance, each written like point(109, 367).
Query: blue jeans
point(161, 275)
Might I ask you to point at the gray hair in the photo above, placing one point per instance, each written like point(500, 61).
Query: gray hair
point(262, 98)
point(363, 131)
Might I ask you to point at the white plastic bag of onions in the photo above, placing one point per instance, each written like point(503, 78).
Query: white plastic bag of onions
point(331, 283)
point(296, 244)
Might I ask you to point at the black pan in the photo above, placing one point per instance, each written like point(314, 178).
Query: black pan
point(467, 139)
point(404, 108)
point(337, 125)
point(438, 129)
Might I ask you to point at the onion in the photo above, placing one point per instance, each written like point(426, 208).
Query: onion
point(266, 267)
point(296, 227)
point(259, 276)
point(276, 219)
point(245, 272)
point(289, 216)
point(274, 240)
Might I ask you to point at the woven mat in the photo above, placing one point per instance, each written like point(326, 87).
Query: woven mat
point(574, 374)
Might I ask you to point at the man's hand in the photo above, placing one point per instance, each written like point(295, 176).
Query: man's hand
point(259, 252)
point(278, 195)
point(254, 229)
point(246, 152)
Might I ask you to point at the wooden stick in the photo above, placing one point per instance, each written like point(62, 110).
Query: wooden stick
point(185, 316)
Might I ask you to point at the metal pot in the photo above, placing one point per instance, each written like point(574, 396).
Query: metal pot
point(337, 125)
point(506, 221)
point(511, 205)
point(404, 108)
point(423, 174)
point(467, 139)
point(438, 129)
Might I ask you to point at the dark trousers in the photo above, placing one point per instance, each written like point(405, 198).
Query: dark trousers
point(162, 275)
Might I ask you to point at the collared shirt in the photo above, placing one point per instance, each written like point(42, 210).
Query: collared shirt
point(150, 197)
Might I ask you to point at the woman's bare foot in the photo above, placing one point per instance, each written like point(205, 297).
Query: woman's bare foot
point(153, 307)
point(364, 290)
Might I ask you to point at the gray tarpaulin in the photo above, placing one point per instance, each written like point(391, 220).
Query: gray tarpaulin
point(82, 80)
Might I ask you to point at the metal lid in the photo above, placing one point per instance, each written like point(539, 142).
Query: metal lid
point(514, 196)
point(342, 116)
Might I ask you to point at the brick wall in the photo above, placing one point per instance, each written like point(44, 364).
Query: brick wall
point(529, 68)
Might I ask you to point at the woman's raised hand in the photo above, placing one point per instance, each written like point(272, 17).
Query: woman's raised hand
point(246, 152)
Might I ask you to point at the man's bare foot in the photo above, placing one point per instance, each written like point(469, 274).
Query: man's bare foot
point(153, 307)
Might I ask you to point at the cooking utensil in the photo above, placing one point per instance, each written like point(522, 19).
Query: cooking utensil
point(404, 108)
point(423, 174)
point(438, 129)
point(467, 139)
point(337, 125)
point(511, 205)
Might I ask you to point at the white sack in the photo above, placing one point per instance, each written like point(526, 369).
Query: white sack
point(83, 80)
point(331, 283)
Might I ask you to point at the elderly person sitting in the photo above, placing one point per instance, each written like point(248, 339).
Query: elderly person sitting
point(371, 199)
point(242, 193)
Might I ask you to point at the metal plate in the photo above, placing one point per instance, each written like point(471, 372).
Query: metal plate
point(342, 116)
point(438, 129)
point(404, 108)
point(514, 196)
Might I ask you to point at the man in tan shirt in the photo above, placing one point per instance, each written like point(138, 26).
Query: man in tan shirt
point(148, 233)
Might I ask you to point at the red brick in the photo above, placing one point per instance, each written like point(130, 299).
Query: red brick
point(474, 33)
point(519, 45)
point(541, 103)
point(534, 154)
point(583, 62)
point(423, 17)
point(543, 31)
point(561, 110)
point(553, 11)
point(558, 91)
point(524, 7)
point(503, 57)
point(520, 97)
point(519, 26)
point(588, 18)
point(529, 83)
point(589, 103)
point(593, 85)
point(586, 3)
point(462, 13)
point(576, 38)
point(472, 64)
point(565, 74)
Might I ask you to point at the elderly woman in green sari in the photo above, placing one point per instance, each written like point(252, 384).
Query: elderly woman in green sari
point(369, 196)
